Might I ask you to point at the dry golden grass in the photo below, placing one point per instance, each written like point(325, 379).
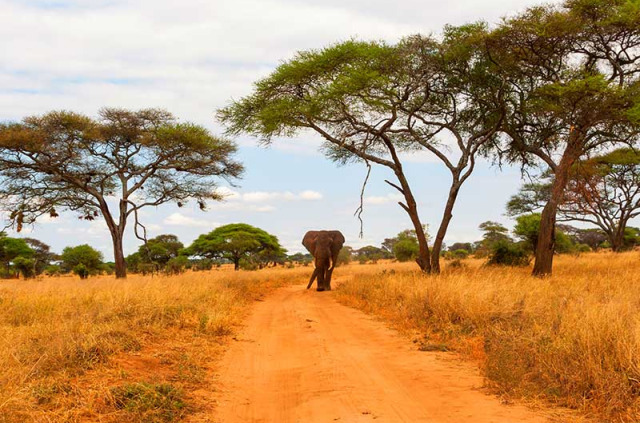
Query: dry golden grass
point(144, 349)
point(118, 350)
point(572, 339)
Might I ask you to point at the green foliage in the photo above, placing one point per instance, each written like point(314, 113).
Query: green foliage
point(371, 253)
point(631, 238)
point(344, 257)
point(202, 264)
point(406, 249)
point(25, 266)
point(564, 244)
point(300, 258)
point(134, 261)
point(108, 268)
point(177, 265)
point(81, 270)
point(404, 246)
point(160, 249)
point(53, 270)
point(82, 260)
point(507, 253)
point(493, 232)
point(12, 249)
point(527, 229)
point(237, 241)
point(460, 254)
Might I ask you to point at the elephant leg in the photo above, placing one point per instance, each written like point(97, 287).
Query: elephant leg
point(321, 279)
point(313, 277)
point(328, 280)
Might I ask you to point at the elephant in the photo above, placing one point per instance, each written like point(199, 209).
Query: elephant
point(324, 246)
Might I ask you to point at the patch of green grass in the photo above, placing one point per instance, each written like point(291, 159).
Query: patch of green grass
point(153, 403)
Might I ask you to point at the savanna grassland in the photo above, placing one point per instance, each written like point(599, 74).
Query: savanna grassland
point(572, 339)
point(145, 349)
point(136, 350)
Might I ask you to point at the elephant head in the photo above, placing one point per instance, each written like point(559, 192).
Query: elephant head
point(324, 246)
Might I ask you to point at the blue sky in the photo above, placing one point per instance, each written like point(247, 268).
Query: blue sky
point(192, 57)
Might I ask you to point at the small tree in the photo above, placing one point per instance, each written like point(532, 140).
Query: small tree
point(83, 260)
point(234, 242)
point(527, 228)
point(64, 160)
point(345, 255)
point(42, 255)
point(12, 249)
point(160, 250)
point(371, 253)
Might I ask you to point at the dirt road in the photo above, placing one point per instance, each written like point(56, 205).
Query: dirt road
point(303, 357)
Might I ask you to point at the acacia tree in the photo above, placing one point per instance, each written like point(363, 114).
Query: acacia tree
point(160, 250)
point(603, 190)
point(371, 102)
point(235, 242)
point(68, 161)
point(571, 80)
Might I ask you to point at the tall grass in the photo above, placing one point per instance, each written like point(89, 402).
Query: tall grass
point(572, 339)
point(54, 330)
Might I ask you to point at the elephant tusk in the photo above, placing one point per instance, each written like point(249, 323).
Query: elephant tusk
point(313, 277)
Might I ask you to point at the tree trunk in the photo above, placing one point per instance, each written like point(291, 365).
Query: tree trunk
point(423, 259)
point(118, 255)
point(236, 263)
point(546, 236)
point(617, 240)
point(444, 225)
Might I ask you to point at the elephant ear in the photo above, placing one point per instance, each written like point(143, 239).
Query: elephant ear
point(338, 239)
point(309, 241)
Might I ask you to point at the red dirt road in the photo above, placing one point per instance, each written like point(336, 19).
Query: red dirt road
point(302, 357)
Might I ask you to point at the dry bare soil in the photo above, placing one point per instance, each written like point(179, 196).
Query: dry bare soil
point(305, 358)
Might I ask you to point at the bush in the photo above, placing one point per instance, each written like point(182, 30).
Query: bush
point(53, 270)
point(25, 266)
point(406, 250)
point(583, 248)
point(564, 245)
point(460, 254)
point(204, 264)
point(505, 253)
point(82, 271)
point(176, 265)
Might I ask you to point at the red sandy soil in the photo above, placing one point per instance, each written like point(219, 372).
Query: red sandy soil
point(303, 357)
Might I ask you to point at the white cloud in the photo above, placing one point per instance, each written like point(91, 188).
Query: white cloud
point(231, 197)
point(377, 200)
point(228, 193)
point(310, 195)
point(265, 209)
point(178, 219)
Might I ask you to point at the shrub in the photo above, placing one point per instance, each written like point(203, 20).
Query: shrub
point(203, 264)
point(583, 248)
point(507, 253)
point(82, 271)
point(460, 254)
point(52, 270)
point(25, 266)
point(406, 250)
point(176, 265)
